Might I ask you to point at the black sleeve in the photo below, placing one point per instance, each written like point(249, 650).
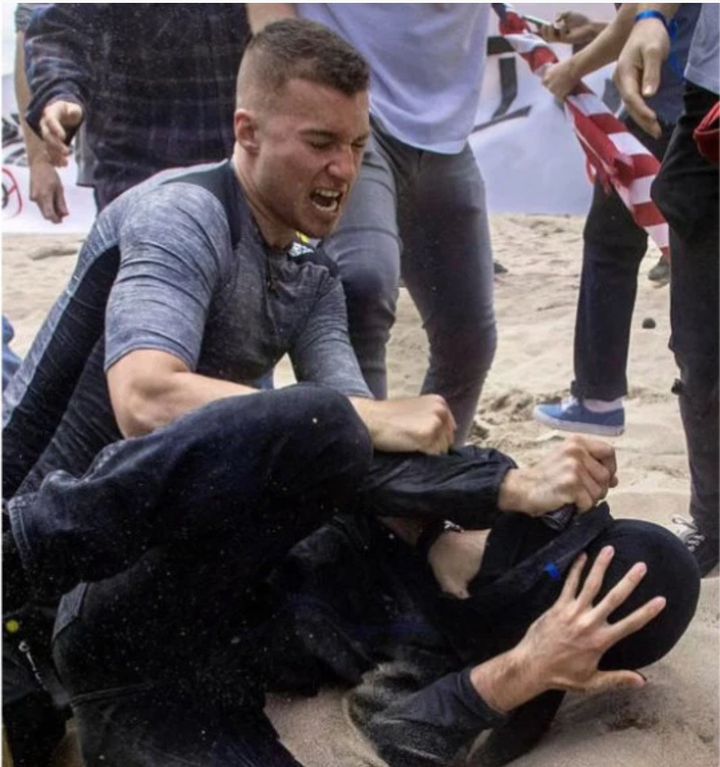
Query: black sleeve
point(24, 13)
point(59, 46)
point(462, 486)
point(428, 728)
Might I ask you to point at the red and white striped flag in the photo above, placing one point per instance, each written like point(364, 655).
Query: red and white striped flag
point(615, 156)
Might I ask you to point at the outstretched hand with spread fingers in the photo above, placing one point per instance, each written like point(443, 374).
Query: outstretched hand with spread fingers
point(566, 643)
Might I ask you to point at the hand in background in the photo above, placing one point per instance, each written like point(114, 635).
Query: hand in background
point(571, 28)
point(637, 74)
point(58, 124)
point(560, 79)
point(46, 191)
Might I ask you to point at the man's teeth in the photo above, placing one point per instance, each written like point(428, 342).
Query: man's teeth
point(326, 199)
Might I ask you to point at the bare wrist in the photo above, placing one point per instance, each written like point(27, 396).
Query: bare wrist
point(39, 160)
point(431, 534)
point(507, 681)
point(579, 65)
point(510, 494)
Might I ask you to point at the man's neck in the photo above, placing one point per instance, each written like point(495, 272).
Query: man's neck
point(274, 235)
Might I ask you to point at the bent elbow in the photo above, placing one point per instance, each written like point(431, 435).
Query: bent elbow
point(136, 414)
point(139, 408)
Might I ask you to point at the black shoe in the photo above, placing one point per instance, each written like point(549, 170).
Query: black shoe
point(704, 548)
point(521, 733)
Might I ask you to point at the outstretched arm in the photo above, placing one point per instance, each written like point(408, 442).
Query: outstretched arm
point(472, 487)
point(561, 650)
point(46, 189)
point(561, 78)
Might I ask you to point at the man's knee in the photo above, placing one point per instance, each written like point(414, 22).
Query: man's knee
point(313, 411)
point(369, 263)
point(697, 389)
point(367, 286)
point(472, 343)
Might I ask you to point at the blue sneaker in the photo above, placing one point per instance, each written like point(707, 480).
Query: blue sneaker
point(572, 415)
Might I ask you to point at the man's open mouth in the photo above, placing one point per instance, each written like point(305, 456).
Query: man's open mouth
point(326, 200)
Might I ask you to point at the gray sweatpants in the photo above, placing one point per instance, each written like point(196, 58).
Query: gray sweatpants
point(421, 215)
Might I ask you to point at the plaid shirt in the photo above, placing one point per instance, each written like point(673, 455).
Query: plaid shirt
point(156, 81)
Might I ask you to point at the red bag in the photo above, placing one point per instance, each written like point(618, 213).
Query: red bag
point(707, 134)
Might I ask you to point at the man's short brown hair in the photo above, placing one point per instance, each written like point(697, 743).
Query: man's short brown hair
point(299, 48)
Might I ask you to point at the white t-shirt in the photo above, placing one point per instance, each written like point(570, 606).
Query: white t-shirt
point(427, 62)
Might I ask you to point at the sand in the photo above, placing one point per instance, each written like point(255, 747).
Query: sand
point(673, 721)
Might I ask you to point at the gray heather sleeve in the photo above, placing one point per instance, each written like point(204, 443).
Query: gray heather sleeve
point(322, 353)
point(171, 244)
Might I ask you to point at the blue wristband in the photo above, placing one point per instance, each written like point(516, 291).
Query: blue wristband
point(653, 15)
point(670, 28)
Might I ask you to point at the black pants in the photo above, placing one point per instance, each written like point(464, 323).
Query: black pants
point(686, 191)
point(613, 247)
point(177, 531)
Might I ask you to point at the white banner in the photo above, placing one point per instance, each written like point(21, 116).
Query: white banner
point(526, 149)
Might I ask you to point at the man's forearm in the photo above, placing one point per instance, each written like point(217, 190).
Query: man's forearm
point(33, 143)
point(60, 42)
point(462, 486)
point(504, 682)
point(606, 47)
point(150, 389)
point(262, 14)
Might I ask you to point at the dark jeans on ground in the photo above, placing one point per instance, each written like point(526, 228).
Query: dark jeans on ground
point(175, 529)
point(613, 247)
point(686, 191)
point(211, 504)
point(163, 652)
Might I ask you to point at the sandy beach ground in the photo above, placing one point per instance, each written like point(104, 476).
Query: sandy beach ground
point(672, 722)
